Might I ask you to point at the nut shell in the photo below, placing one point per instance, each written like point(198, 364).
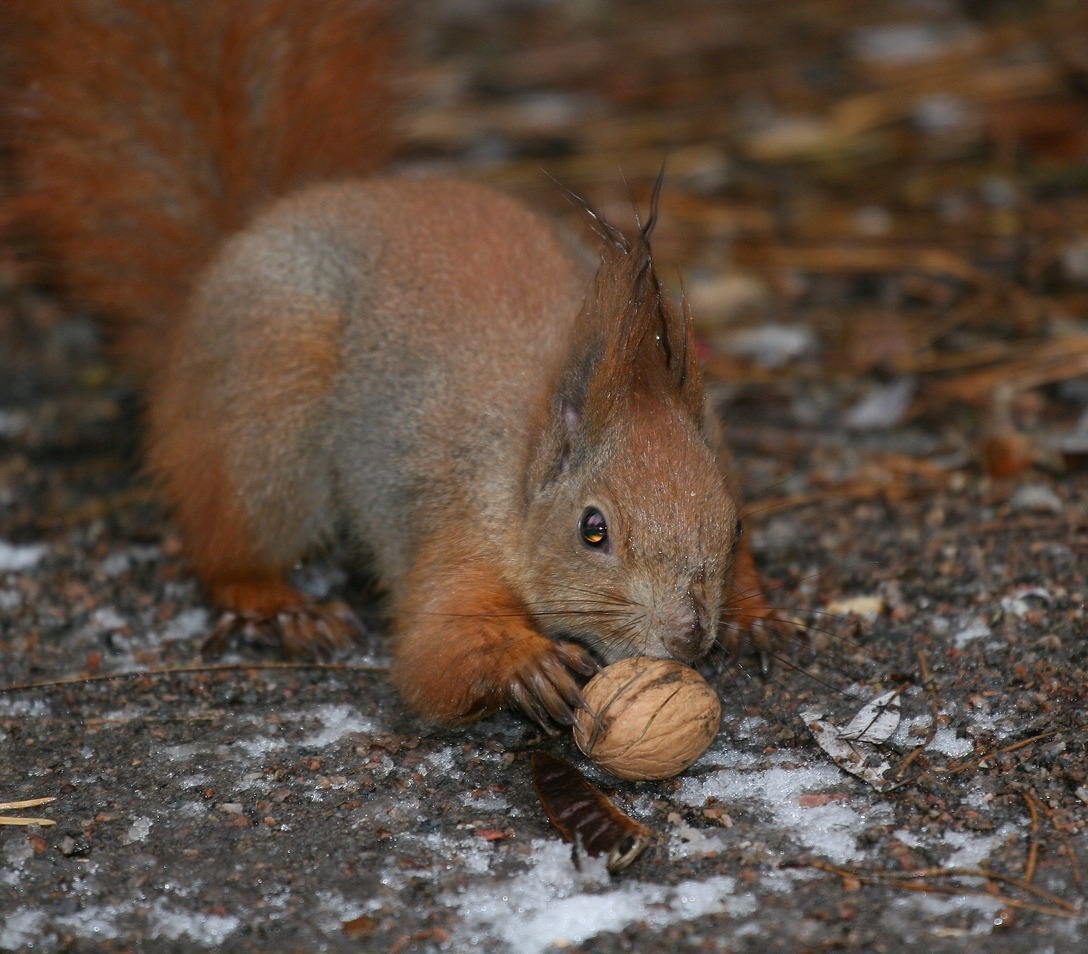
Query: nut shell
point(651, 718)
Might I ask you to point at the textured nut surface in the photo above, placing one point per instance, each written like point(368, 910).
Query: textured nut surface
point(651, 718)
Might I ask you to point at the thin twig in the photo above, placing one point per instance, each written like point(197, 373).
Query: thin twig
point(973, 763)
point(188, 670)
point(26, 803)
point(934, 712)
point(921, 881)
point(1033, 848)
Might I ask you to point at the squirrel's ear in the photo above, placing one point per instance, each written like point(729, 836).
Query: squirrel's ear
point(689, 371)
point(635, 340)
point(670, 327)
point(566, 432)
point(571, 429)
point(555, 443)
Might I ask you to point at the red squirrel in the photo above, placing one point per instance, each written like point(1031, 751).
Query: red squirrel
point(516, 436)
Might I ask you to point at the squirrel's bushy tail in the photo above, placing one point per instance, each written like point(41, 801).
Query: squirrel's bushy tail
point(142, 132)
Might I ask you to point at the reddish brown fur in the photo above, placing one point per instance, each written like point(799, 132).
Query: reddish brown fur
point(188, 458)
point(218, 537)
point(272, 412)
point(189, 115)
point(466, 645)
point(649, 351)
point(746, 609)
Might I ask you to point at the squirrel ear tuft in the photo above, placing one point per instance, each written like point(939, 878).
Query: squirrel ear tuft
point(642, 341)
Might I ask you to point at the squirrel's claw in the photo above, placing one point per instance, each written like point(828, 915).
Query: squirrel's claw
point(577, 658)
point(310, 632)
point(545, 690)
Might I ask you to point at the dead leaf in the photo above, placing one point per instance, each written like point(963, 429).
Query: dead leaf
point(858, 755)
point(875, 722)
point(584, 815)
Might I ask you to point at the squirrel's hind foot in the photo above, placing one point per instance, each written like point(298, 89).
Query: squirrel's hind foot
point(749, 622)
point(307, 631)
point(761, 630)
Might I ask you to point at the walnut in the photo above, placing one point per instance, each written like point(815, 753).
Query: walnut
point(651, 718)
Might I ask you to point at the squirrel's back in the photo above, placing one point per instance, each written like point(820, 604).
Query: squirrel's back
point(392, 337)
point(144, 131)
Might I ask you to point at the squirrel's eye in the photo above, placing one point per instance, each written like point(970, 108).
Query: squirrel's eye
point(594, 528)
point(738, 534)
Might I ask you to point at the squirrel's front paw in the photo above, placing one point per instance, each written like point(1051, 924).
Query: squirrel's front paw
point(542, 685)
point(307, 631)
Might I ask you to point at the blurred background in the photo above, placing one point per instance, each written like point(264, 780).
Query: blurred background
point(876, 209)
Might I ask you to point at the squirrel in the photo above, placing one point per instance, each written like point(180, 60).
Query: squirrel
point(516, 435)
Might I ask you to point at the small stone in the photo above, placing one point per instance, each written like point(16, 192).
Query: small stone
point(1037, 498)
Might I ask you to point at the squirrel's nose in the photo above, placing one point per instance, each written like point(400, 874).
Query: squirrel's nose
point(686, 642)
point(687, 637)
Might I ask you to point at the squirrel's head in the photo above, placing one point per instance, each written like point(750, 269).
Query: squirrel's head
point(630, 529)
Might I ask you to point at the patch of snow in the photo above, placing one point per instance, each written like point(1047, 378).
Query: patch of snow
point(485, 802)
point(107, 619)
point(17, 853)
point(210, 930)
point(551, 904)
point(899, 44)
point(187, 751)
point(948, 743)
point(20, 929)
point(688, 841)
point(334, 908)
point(14, 557)
point(975, 629)
point(1016, 603)
point(773, 345)
point(256, 748)
point(186, 625)
point(338, 722)
point(120, 561)
point(442, 763)
point(969, 850)
point(908, 913)
point(1037, 498)
point(92, 922)
point(829, 829)
point(943, 113)
point(883, 407)
point(906, 737)
point(24, 708)
point(138, 830)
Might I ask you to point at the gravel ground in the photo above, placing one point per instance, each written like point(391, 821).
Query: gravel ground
point(304, 809)
point(282, 809)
